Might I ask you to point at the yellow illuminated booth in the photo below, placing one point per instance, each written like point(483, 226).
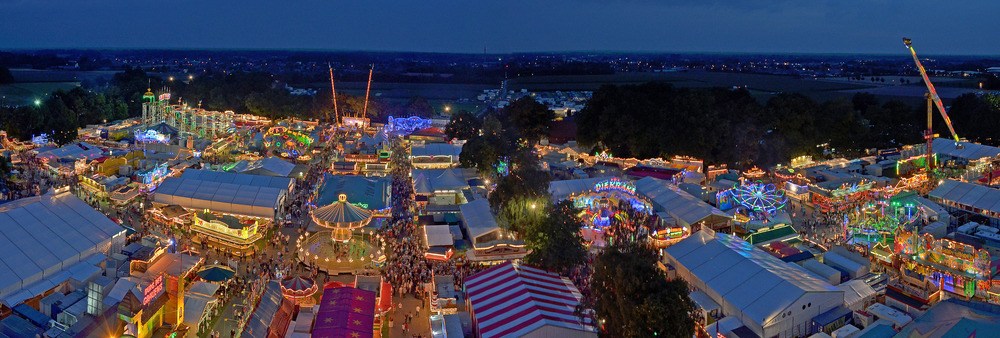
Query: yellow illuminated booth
point(143, 316)
point(110, 166)
point(227, 232)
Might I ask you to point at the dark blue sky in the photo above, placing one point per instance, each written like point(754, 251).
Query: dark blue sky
point(797, 26)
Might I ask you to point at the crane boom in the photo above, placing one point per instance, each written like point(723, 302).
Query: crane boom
point(368, 90)
point(930, 88)
point(333, 90)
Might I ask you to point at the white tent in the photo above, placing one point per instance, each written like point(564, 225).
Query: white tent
point(42, 235)
point(750, 284)
point(438, 235)
point(241, 199)
point(857, 294)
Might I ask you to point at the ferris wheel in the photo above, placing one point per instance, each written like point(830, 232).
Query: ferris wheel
point(759, 200)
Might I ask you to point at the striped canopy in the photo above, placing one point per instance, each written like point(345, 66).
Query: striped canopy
point(511, 300)
point(298, 287)
point(341, 214)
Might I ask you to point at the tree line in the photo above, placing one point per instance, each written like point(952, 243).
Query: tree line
point(730, 126)
point(63, 112)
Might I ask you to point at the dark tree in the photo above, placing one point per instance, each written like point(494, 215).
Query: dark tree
point(556, 243)
point(531, 118)
point(419, 106)
point(5, 76)
point(527, 183)
point(485, 151)
point(631, 297)
point(974, 117)
point(463, 126)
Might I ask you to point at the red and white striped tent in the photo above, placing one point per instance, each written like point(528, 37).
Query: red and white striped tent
point(516, 300)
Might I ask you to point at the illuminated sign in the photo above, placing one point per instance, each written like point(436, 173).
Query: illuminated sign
point(615, 184)
point(852, 189)
point(407, 125)
point(150, 136)
point(154, 289)
point(153, 177)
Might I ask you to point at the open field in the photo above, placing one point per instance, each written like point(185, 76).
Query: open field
point(430, 91)
point(694, 78)
point(35, 75)
point(26, 93)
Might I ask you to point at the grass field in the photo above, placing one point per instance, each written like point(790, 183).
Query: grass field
point(26, 93)
point(37, 75)
point(404, 91)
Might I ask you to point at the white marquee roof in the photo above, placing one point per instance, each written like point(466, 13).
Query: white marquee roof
point(747, 278)
point(676, 202)
point(272, 165)
point(855, 291)
point(438, 235)
point(283, 183)
point(969, 151)
point(427, 181)
point(41, 235)
point(974, 195)
point(259, 201)
point(477, 218)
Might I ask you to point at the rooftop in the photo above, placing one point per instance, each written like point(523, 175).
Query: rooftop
point(730, 266)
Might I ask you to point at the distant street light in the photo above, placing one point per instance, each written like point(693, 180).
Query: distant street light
point(171, 78)
point(38, 102)
point(190, 77)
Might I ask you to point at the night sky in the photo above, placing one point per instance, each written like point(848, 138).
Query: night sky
point(795, 26)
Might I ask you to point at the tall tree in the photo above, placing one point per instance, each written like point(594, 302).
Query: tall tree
point(631, 296)
point(532, 119)
point(556, 244)
point(5, 76)
point(419, 106)
point(463, 126)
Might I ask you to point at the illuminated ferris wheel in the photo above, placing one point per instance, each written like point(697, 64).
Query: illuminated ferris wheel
point(759, 200)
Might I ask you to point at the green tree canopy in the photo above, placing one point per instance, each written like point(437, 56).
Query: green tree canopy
point(631, 296)
point(531, 118)
point(463, 126)
point(556, 244)
point(419, 106)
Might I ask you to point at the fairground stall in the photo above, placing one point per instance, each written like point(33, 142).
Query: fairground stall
point(879, 221)
point(227, 232)
point(671, 208)
point(840, 194)
point(953, 267)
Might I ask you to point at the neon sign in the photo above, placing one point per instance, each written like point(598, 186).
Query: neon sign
point(150, 135)
point(407, 125)
point(615, 184)
point(154, 289)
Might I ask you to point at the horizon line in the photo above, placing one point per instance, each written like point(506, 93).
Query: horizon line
point(247, 49)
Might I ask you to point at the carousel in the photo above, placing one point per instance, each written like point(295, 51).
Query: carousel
point(335, 248)
point(299, 290)
point(879, 221)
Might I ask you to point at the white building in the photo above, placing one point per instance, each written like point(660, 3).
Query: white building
point(770, 297)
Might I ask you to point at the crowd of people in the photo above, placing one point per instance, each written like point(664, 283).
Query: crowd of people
point(33, 179)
